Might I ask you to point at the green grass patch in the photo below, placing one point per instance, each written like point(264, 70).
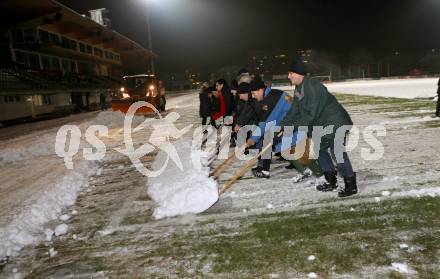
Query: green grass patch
point(144, 218)
point(431, 124)
point(355, 100)
point(342, 240)
point(408, 107)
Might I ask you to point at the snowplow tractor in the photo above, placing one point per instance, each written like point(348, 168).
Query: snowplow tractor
point(137, 88)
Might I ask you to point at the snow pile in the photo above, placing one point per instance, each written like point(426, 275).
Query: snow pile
point(404, 246)
point(42, 144)
point(61, 230)
point(418, 193)
point(52, 252)
point(402, 268)
point(24, 149)
point(177, 191)
point(409, 120)
point(27, 226)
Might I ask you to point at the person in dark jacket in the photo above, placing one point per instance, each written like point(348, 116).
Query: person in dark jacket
point(205, 103)
point(236, 98)
point(243, 97)
point(103, 101)
point(312, 106)
point(270, 105)
point(244, 115)
point(437, 112)
point(243, 75)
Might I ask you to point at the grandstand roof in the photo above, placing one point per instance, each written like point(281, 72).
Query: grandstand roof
point(50, 13)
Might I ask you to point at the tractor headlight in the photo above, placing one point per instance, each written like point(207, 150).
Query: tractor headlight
point(151, 87)
point(125, 95)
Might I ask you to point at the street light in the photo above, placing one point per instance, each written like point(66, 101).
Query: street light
point(150, 42)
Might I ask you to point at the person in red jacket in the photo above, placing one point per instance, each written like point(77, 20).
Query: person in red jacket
point(221, 106)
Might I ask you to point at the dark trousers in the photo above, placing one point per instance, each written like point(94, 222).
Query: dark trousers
point(437, 111)
point(266, 164)
point(326, 153)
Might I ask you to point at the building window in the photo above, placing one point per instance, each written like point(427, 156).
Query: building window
point(65, 43)
point(21, 57)
point(34, 61)
point(89, 49)
point(73, 66)
point(82, 47)
point(55, 63)
point(45, 62)
point(73, 45)
point(46, 100)
point(29, 35)
point(97, 51)
point(44, 36)
point(12, 99)
point(65, 65)
point(55, 39)
point(85, 68)
point(17, 36)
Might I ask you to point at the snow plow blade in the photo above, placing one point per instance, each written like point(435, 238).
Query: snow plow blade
point(124, 105)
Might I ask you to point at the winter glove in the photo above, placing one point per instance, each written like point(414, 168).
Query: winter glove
point(250, 142)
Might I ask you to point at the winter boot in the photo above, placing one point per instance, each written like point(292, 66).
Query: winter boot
point(260, 173)
point(350, 187)
point(301, 176)
point(257, 168)
point(330, 184)
point(290, 166)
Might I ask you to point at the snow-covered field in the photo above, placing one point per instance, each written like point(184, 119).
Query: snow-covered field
point(97, 221)
point(397, 88)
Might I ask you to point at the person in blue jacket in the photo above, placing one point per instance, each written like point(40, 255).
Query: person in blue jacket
point(270, 107)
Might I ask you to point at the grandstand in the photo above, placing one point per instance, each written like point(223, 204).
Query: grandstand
point(54, 60)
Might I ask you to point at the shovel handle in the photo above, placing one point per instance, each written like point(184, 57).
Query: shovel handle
point(220, 168)
point(228, 184)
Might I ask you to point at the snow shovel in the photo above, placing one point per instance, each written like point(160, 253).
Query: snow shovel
point(220, 168)
point(228, 184)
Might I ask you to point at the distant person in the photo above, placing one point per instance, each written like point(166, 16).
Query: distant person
point(243, 75)
point(161, 100)
point(236, 98)
point(205, 104)
point(102, 101)
point(437, 111)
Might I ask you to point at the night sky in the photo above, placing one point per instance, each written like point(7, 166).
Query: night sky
point(205, 35)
